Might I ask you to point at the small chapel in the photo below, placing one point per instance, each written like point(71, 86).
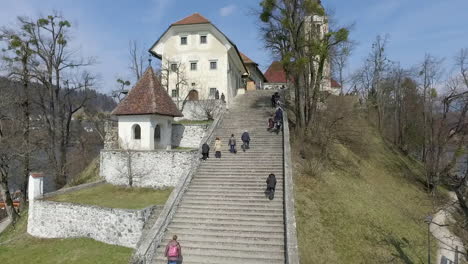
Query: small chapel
point(146, 115)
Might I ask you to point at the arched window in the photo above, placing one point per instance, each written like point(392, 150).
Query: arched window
point(137, 132)
point(157, 134)
point(193, 95)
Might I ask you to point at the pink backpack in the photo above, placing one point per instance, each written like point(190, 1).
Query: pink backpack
point(173, 250)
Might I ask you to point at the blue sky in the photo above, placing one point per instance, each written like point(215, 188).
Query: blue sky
point(104, 28)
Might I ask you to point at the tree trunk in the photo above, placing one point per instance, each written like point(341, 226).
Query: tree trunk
point(5, 192)
point(26, 128)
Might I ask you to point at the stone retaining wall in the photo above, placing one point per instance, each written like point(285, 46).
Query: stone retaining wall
point(188, 136)
point(155, 169)
point(123, 227)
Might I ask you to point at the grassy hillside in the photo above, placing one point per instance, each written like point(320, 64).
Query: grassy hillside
point(88, 175)
point(16, 246)
point(364, 203)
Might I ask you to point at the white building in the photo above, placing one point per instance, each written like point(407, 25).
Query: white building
point(145, 116)
point(198, 60)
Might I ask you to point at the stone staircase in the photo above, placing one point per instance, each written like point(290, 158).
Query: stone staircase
point(224, 216)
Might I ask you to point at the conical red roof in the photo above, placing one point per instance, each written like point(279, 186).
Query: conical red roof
point(195, 18)
point(147, 97)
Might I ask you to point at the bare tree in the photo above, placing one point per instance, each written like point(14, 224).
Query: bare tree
point(18, 57)
point(136, 59)
point(173, 75)
point(295, 31)
point(429, 74)
point(57, 69)
point(339, 61)
point(9, 131)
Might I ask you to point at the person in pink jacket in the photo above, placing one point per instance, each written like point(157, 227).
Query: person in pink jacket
point(173, 251)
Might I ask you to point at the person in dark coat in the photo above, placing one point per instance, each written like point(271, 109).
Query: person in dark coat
point(273, 101)
point(223, 98)
point(278, 119)
point(205, 151)
point(217, 95)
point(271, 186)
point(232, 144)
point(277, 98)
point(245, 140)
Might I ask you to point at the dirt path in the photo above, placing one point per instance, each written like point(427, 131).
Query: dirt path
point(4, 224)
point(447, 241)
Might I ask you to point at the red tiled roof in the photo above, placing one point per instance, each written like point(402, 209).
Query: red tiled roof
point(276, 73)
point(195, 18)
point(147, 97)
point(335, 84)
point(246, 59)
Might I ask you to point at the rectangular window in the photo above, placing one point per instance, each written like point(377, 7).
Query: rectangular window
point(213, 65)
point(174, 67)
point(212, 92)
point(203, 39)
point(183, 40)
point(193, 66)
point(174, 93)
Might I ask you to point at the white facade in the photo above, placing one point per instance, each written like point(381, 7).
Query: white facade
point(155, 132)
point(218, 64)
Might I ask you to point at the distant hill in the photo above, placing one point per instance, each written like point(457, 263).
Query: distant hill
point(98, 101)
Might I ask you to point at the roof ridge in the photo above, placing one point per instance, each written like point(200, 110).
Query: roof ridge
point(195, 18)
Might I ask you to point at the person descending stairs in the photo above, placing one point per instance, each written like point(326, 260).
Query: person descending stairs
point(225, 216)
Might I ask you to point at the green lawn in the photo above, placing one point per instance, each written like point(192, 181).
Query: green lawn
point(16, 246)
point(107, 195)
point(365, 206)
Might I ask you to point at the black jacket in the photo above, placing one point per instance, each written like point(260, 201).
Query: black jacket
point(279, 115)
point(271, 181)
point(245, 136)
point(205, 148)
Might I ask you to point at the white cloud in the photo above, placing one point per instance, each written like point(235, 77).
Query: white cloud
point(227, 10)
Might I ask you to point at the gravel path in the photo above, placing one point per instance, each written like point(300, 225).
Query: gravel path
point(4, 224)
point(447, 241)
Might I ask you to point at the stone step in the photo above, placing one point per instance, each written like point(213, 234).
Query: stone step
point(253, 230)
point(231, 197)
point(191, 258)
point(243, 165)
point(244, 158)
point(200, 210)
point(228, 246)
point(229, 241)
point(228, 192)
point(259, 201)
point(246, 176)
point(238, 218)
point(227, 223)
point(234, 180)
point(244, 171)
point(231, 186)
point(220, 250)
point(221, 208)
point(232, 189)
point(260, 204)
